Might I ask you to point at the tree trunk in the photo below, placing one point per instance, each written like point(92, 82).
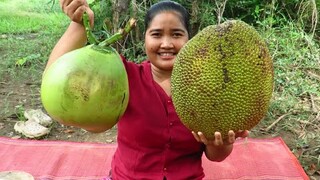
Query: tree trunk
point(194, 19)
point(119, 8)
point(135, 15)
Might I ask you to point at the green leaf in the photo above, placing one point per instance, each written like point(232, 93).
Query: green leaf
point(90, 1)
point(21, 62)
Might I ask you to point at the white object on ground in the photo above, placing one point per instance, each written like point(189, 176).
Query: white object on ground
point(15, 175)
point(31, 129)
point(38, 116)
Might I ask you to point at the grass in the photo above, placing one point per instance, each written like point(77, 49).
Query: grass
point(20, 16)
point(296, 98)
point(29, 30)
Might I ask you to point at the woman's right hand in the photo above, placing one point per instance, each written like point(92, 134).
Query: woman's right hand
point(74, 9)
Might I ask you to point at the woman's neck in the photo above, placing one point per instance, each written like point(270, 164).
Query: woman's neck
point(160, 75)
point(163, 78)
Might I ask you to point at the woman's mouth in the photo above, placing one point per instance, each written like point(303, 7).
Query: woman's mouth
point(167, 56)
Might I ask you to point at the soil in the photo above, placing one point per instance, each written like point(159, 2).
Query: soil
point(18, 95)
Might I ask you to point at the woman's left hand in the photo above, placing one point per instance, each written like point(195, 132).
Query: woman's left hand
point(218, 140)
point(218, 148)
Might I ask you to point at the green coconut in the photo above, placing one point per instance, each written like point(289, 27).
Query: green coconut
point(87, 87)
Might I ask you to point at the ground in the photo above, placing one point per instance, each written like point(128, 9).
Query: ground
point(18, 96)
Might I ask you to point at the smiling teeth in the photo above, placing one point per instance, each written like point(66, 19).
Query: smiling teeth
point(166, 54)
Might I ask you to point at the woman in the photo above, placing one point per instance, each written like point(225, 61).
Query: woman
point(152, 141)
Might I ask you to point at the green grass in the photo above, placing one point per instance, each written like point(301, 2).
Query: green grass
point(26, 22)
point(20, 16)
point(296, 94)
point(29, 30)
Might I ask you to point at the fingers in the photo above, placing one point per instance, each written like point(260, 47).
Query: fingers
point(218, 139)
point(70, 6)
point(231, 137)
point(203, 139)
point(196, 136)
point(64, 3)
point(74, 9)
point(76, 15)
point(242, 134)
point(200, 137)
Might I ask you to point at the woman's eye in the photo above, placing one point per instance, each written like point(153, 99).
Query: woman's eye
point(155, 34)
point(177, 34)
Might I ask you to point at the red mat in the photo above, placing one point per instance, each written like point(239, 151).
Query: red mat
point(251, 159)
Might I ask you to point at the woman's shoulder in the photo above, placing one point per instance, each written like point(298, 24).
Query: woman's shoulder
point(138, 72)
point(127, 62)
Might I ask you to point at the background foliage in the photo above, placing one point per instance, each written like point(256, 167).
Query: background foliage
point(264, 14)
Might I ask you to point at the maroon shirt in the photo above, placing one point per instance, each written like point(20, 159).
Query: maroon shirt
point(152, 141)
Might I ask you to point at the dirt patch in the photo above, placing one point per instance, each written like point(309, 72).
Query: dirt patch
point(60, 132)
point(19, 95)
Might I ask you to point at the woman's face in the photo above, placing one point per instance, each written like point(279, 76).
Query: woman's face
point(164, 38)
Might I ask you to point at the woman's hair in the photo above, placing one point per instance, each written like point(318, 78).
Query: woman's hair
point(165, 6)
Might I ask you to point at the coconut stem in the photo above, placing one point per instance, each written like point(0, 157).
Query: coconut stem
point(90, 36)
point(120, 34)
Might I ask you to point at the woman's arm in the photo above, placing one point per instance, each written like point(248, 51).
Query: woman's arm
point(74, 38)
point(75, 35)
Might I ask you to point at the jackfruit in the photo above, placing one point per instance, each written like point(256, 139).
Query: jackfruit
point(222, 79)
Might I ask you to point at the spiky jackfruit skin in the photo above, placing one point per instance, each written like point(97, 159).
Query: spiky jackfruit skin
point(222, 79)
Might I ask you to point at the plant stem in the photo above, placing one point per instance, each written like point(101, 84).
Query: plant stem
point(120, 34)
point(90, 36)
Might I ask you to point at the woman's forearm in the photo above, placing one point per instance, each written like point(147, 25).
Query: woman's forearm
point(74, 38)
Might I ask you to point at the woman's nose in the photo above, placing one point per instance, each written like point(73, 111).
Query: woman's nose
point(167, 43)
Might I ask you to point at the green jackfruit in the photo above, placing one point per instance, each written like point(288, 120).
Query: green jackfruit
point(222, 79)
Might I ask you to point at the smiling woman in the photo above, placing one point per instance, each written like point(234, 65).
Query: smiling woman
point(151, 137)
point(164, 37)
